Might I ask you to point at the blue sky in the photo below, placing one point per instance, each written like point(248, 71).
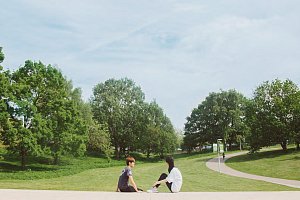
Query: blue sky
point(178, 51)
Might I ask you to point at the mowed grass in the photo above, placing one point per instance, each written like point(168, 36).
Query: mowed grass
point(196, 177)
point(275, 163)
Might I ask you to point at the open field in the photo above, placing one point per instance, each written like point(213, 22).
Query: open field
point(276, 163)
point(196, 177)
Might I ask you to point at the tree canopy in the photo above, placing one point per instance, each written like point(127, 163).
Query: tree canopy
point(131, 121)
point(219, 116)
point(273, 114)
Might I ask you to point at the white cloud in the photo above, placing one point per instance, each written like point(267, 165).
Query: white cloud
point(178, 51)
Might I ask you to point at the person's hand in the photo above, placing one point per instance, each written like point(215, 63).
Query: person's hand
point(157, 182)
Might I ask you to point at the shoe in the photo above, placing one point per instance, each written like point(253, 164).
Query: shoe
point(153, 190)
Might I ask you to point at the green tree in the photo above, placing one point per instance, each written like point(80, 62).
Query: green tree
point(99, 139)
point(20, 130)
point(119, 104)
point(44, 114)
point(159, 136)
point(1, 55)
point(272, 113)
point(220, 115)
point(67, 122)
point(4, 94)
point(167, 139)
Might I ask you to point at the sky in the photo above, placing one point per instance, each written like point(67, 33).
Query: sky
point(177, 51)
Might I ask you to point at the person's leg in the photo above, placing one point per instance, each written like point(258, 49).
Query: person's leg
point(162, 177)
point(169, 186)
point(128, 189)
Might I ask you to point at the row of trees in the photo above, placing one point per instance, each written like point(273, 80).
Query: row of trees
point(133, 124)
point(42, 114)
point(271, 117)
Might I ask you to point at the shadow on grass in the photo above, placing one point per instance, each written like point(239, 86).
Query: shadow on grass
point(12, 168)
point(261, 155)
point(294, 158)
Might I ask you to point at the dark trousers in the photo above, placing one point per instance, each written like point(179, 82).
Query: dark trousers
point(129, 189)
point(162, 177)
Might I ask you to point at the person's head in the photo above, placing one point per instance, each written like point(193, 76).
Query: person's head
point(130, 161)
point(170, 162)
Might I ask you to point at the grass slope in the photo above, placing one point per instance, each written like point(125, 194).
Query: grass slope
point(276, 163)
point(196, 177)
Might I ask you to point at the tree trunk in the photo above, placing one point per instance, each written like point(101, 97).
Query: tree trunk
point(117, 152)
point(56, 159)
point(148, 153)
point(240, 145)
point(189, 150)
point(230, 146)
point(283, 145)
point(23, 158)
point(297, 145)
point(161, 154)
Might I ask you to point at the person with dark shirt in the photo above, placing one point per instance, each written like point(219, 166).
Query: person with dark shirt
point(126, 177)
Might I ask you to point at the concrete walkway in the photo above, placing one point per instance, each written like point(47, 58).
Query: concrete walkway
point(6, 194)
point(214, 165)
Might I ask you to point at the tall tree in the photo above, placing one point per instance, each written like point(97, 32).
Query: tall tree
point(44, 114)
point(272, 113)
point(5, 94)
point(118, 103)
point(159, 135)
point(99, 139)
point(220, 115)
point(19, 133)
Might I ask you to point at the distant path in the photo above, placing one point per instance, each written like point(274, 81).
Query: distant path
point(6, 194)
point(213, 164)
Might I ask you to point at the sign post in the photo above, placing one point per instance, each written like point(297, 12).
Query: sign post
point(220, 149)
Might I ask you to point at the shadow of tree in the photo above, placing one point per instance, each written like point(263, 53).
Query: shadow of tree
point(260, 155)
point(12, 168)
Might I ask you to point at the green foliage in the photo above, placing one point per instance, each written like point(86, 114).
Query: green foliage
point(159, 136)
point(44, 114)
point(273, 114)
point(220, 115)
point(132, 123)
point(4, 97)
point(99, 139)
point(1, 55)
point(118, 103)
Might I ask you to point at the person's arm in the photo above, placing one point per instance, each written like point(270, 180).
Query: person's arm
point(160, 182)
point(118, 190)
point(133, 183)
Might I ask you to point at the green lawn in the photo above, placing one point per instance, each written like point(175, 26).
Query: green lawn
point(274, 163)
point(196, 177)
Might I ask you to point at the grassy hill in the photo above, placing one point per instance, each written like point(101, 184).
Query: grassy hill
point(95, 174)
point(275, 163)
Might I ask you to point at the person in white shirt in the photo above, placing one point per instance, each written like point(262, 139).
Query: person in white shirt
point(173, 180)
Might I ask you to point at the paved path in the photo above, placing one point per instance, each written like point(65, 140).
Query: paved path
point(8, 194)
point(213, 164)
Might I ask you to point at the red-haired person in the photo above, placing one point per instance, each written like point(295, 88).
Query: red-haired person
point(126, 177)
